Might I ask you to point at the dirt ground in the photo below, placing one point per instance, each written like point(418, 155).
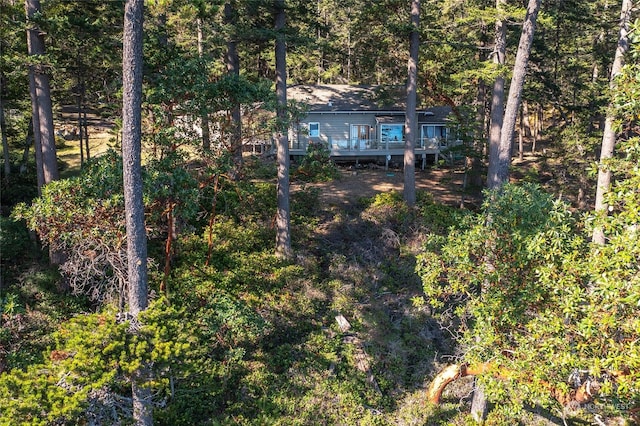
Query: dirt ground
point(445, 185)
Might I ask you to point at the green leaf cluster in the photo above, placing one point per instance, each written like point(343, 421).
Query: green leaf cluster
point(316, 165)
point(533, 297)
point(83, 217)
point(87, 374)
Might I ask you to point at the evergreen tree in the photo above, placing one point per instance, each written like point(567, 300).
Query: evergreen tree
point(500, 173)
point(411, 126)
point(609, 135)
point(41, 97)
point(497, 97)
point(133, 196)
point(283, 217)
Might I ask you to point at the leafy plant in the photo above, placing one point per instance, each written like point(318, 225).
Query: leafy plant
point(534, 302)
point(316, 165)
point(10, 305)
point(83, 217)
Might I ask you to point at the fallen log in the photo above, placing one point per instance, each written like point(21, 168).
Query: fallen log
point(449, 374)
point(585, 393)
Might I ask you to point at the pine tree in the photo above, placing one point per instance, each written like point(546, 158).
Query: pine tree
point(134, 206)
point(411, 126)
point(41, 96)
point(283, 218)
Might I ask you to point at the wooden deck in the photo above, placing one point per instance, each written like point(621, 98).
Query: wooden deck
point(381, 151)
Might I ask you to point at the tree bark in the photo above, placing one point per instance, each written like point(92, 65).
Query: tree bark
point(283, 216)
point(497, 97)
point(86, 126)
point(80, 127)
point(526, 120)
point(586, 392)
point(35, 127)
point(479, 406)
point(609, 135)
point(28, 141)
point(134, 206)
point(233, 68)
point(500, 172)
point(3, 131)
point(411, 126)
point(41, 95)
point(521, 135)
point(204, 116)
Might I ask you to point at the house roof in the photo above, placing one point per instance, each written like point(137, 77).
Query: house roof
point(343, 97)
point(384, 100)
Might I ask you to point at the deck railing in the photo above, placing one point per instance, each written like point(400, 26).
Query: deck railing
point(431, 145)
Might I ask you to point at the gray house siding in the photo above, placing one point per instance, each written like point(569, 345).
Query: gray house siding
point(352, 124)
point(334, 129)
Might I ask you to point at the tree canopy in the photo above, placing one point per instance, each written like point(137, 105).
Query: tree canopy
point(229, 327)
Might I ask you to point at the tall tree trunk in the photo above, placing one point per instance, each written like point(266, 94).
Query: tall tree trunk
point(204, 115)
point(479, 405)
point(411, 126)
point(283, 217)
point(41, 95)
point(35, 126)
point(319, 43)
point(500, 174)
point(537, 127)
point(85, 121)
point(497, 97)
point(134, 207)
point(80, 127)
point(474, 163)
point(521, 135)
point(44, 136)
point(233, 68)
point(28, 142)
point(526, 120)
point(609, 135)
point(3, 131)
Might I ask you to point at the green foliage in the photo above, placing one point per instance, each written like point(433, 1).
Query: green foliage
point(10, 305)
point(316, 165)
point(256, 168)
point(84, 218)
point(19, 187)
point(15, 244)
point(532, 297)
point(390, 208)
point(304, 208)
point(85, 374)
point(169, 186)
point(246, 202)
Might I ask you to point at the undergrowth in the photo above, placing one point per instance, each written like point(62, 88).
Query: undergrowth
point(241, 337)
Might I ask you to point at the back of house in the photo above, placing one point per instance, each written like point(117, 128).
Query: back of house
point(364, 123)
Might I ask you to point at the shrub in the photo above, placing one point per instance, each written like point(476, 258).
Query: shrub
point(548, 311)
point(316, 165)
point(83, 217)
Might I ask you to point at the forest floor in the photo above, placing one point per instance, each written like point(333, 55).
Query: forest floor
point(444, 184)
point(366, 276)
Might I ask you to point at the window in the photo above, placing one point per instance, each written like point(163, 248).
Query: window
point(430, 132)
point(391, 132)
point(360, 132)
point(314, 130)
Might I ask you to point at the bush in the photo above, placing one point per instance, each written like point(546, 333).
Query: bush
point(83, 217)
point(530, 295)
point(316, 165)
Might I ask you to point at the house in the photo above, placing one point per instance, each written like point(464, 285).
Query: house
point(359, 123)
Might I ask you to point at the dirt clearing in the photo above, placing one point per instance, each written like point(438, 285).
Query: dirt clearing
point(446, 186)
